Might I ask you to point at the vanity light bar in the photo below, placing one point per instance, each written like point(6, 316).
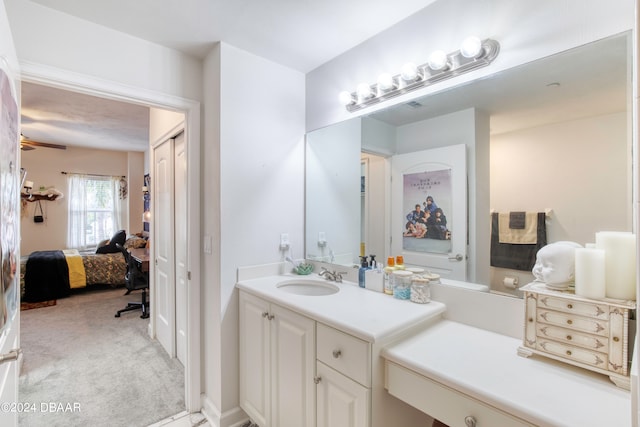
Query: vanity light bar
point(472, 55)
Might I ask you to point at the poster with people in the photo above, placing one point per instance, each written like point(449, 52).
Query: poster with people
point(427, 201)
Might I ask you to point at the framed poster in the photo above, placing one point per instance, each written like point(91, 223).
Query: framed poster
point(427, 200)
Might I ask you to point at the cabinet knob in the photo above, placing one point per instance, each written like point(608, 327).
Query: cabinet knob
point(317, 380)
point(569, 338)
point(337, 354)
point(470, 421)
point(568, 352)
point(616, 339)
point(569, 305)
point(569, 322)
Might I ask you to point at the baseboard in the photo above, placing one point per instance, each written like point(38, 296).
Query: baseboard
point(235, 417)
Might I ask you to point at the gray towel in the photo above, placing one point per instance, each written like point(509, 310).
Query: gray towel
point(517, 220)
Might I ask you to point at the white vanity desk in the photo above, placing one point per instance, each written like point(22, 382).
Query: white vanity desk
point(432, 342)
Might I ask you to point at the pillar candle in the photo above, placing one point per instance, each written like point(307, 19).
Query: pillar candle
point(590, 273)
point(620, 263)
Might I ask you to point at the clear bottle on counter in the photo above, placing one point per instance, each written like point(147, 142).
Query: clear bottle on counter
point(420, 290)
point(388, 275)
point(402, 284)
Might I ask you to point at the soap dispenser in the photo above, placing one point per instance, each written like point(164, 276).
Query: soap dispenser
point(364, 266)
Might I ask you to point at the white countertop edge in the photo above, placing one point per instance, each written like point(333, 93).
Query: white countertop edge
point(484, 384)
point(365, 314)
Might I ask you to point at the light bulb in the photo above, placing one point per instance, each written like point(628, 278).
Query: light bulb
point(385, 81)
point(471, 47)
point(438, 60)
point(364, 90)
point(345, 98)
point(409, 72)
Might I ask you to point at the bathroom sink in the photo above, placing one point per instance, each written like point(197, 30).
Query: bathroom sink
point(308, 287)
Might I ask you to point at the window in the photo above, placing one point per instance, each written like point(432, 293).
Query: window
point(94, 209)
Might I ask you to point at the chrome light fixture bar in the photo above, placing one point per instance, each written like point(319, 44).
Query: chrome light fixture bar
point(473, 54)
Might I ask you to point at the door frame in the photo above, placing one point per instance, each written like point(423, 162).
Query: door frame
point(90, 85)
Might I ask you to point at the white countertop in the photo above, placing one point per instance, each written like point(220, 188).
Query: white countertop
point(485, 365)
point(368, 315)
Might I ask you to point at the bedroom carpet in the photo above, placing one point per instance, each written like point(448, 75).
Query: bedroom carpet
point(84, 367)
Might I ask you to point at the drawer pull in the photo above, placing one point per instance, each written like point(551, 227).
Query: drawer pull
point(570, 322)
point(569, 306)
point(568, 352)
point(470, 421)
point(569, 338)
point(337, 354)
point(317, 380)
point(265, 314)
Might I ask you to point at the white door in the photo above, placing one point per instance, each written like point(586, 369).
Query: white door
point(163, 307)
point(438, 241)
point(180, 168)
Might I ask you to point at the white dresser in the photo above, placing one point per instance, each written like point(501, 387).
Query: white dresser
point(592, 334)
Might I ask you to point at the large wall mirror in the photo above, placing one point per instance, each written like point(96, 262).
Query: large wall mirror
point(554, 134)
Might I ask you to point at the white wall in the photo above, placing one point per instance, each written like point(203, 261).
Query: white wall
point(333, 160)
point(568, 161)
point(44, 167)
point(254, 131)
point(45, 36)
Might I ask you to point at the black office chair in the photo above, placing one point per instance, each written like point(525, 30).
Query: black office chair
point(135, 280)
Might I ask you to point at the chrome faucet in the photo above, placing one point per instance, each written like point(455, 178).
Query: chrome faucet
point(332, 276)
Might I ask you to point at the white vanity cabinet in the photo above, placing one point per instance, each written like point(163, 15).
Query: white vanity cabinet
point(343, 376)
point(277, 364)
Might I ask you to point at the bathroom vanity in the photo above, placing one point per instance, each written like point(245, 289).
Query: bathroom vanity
point(314, 360)
point(361, 358)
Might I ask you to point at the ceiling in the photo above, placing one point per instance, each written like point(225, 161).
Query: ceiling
point(287, 32)
point(301, 34)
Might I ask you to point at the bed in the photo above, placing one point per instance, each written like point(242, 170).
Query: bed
point(48, 275)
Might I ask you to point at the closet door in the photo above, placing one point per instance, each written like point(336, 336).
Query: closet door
point(180, 168)
point(163, 308)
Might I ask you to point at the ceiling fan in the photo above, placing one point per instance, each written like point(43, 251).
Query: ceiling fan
point(26, 144)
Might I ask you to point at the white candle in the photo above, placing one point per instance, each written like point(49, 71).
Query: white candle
point(590, 273)
point(620, 263)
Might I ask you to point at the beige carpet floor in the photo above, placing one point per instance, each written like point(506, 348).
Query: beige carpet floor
point(85, 367)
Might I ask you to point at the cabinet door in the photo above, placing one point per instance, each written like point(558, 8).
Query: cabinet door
point(293, 354)
point(254, 358)
point(342, 402)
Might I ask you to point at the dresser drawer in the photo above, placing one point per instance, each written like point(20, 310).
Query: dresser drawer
point(576, 354)
point(345, 353)
point(572, 337)
point(577, 323)
point(444, 403)
point(581, 308)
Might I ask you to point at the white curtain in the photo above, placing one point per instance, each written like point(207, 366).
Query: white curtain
point(78, 202)
point(117, 203)
point(77, 223)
